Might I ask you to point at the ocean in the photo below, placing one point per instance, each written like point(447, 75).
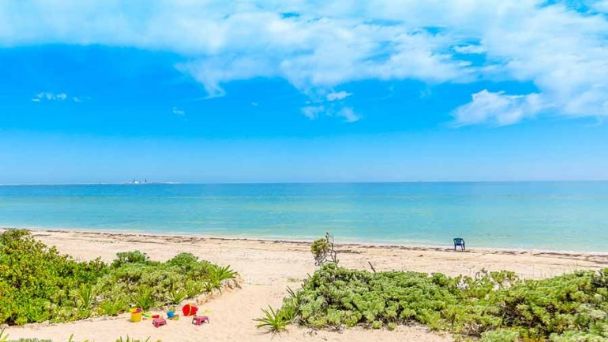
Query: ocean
point(569, 216)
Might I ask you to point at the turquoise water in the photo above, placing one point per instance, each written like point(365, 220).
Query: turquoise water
point(538, 215)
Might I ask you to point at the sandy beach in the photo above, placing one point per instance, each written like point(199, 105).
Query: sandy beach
point(267, 268)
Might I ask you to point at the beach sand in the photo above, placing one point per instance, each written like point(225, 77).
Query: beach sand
point(267, 268)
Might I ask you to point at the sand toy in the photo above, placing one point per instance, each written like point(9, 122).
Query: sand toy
point(189, 310)
point(199, 320)
point(157, 322)
point(136, 314)
point(172, 315)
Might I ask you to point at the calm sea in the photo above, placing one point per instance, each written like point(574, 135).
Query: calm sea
point(530, 215)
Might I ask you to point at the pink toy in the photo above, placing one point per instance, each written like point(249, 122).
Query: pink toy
point(157, 322)
point(199, 320)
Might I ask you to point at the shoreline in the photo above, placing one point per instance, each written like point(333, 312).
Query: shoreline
point(341, 242)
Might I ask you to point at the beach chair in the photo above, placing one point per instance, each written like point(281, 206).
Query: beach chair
point(459, 242)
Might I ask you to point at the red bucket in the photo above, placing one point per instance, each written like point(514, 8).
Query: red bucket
point(189, 310)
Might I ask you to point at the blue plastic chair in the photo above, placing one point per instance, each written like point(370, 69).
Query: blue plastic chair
point(459, 242)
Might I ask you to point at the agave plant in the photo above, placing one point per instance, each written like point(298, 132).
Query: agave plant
point(176, 295)
point(217, 274)
point(273, 320)
point(143, 298)
point(222, 273)
point(113, 307)
point(85, 296)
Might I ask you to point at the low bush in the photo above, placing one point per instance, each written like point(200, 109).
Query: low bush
point(494, 306)
point(38, 284)
point(324, 251)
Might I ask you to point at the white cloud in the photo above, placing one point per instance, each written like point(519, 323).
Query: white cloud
point(177, 111)
point(50, 96)
point(312, 112)
point(348, 114)
point(337, 96)
point(497, 108)
point(562, 52)
point(470, 49)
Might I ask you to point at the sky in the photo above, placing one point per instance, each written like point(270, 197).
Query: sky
point(303, 91)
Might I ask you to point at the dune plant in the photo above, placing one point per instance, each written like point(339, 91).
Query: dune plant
point(493, 306)
point(112, 307)
point(129, 339)
point(177, 295)
point(143, 297)
point(85, 296)
point(273, 320)
point(323, 250)
point(39, 284)
point(193, 288)
point(222, 273)
point(4, 338)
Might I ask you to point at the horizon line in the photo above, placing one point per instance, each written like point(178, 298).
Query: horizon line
point(309, 182)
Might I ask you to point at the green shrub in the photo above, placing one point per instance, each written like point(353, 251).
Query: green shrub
point(143, 298)
point(577, 336)
point(177, 294)
point(38, 284)
point(133, 257)
point(495, 306)
point(500, 335)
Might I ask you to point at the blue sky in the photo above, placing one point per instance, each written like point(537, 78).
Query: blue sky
point(291, 91)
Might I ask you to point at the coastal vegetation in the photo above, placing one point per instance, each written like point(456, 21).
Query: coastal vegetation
point(492, 306)
point(39, 284)
point(323, 250)
point(5, 338)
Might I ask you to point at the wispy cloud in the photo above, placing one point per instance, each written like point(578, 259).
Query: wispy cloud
point(50, 96)
point(312, 112)
point(337, 96)
point(470, 49)
point(330, 105)
point(321, 45)
point(346, 113)
point(178, 111)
